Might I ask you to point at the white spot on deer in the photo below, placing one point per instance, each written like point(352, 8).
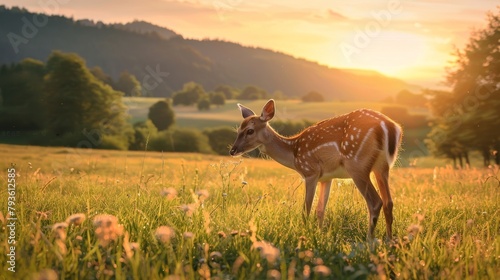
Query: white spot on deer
point(367, 136)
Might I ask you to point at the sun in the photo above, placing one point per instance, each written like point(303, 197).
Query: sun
point(392, 53)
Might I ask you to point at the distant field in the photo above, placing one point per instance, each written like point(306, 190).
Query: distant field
point(235, 218)
point(228, 114)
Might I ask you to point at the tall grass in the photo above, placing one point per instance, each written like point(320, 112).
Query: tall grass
point(238, 219)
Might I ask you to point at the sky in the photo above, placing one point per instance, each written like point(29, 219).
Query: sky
point(411, 40)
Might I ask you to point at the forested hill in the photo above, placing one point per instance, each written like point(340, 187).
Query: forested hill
point(141, 49)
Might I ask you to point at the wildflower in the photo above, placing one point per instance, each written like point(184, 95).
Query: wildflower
point(454, 240)
point(202, 195)
point(414, 229)
point(273, 274)
point(267, 251)
point(307, 271)
point(419, 217)
point(204, 271)
point(221, 234)
point(129, 247)
point(76, 219)
point(107, 229)
point(61, 246)
point(234, 232)
point(188, 209)
point(46, 274)
point(169, 193)
point(43, 215)
point(188, 235)
point(470, 222)
point(164, 234)
point(59, 230)
point(215, 255)
point(322, 270)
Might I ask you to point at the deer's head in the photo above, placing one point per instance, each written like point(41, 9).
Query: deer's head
point(253, 129)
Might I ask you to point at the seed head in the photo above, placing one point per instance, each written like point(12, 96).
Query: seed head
point(164, 234)
point(169, 193)
point(76, 219)
point(107, 229)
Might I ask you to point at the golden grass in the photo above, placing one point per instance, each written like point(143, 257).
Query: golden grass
point(237, 219)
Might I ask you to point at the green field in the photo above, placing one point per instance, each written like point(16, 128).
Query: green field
point(447, 222)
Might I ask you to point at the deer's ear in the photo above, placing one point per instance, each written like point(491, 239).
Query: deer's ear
point(245, 112)
point(268, 111)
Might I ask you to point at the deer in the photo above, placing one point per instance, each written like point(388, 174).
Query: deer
point(352, 145)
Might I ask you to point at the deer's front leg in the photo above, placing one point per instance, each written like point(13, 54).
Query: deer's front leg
point(324, 193)
point(311, 183)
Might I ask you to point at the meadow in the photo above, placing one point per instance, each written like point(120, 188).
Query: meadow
point(146, 215)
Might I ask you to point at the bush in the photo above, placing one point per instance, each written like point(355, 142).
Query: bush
point(220, 139)
point(313, 96)
point(203, 104)
point(401, 116)
point(289, 128)
point(180, 140)
point(143, 132)
point(113, 142)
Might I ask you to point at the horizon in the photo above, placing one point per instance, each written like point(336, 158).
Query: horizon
point(399, 39)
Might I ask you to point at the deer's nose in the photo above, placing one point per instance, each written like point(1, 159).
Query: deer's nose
point(232, 151)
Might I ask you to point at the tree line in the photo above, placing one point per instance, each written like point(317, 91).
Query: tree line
point(68, 103)
point(468, 118)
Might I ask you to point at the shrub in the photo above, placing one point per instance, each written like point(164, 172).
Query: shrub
point(220, 139)
point(181, 140)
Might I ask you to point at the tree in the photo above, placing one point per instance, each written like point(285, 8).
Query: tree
point(406, 97)
point(128, 84)
point(218, 99)
point(190, 94)
point(103, 77)
point(203, 104)
point(472, 108)
point(161, 115)
point(252, 93)
point(21, 87)
point(80, 106)
point(220, 139)
point(228, 91)
point(313, 96)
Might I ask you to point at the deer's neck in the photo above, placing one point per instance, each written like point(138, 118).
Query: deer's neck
point(280, 148)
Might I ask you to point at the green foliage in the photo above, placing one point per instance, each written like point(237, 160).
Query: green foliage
point(180, 140)
point(218, 98)
point(220, 139)
point(253, 93)
point(468, 118)
point(143, 132)
point(408, 98)
point(228, 91)
point(21, 94)
point(190, 94)
point(289, 127)
point(128, 84)
point(161, 115)
point(103, 77)
point(400, 115)
point(313, 96)
point(77, 102)
point(203, 104)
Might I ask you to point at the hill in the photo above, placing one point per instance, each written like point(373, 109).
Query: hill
point(164, 60)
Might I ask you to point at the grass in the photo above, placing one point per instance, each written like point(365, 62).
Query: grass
point(447, 222)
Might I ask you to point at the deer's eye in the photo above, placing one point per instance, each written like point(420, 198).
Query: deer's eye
point(250, 132)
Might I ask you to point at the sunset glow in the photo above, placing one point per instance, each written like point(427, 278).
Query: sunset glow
point(411, 40)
